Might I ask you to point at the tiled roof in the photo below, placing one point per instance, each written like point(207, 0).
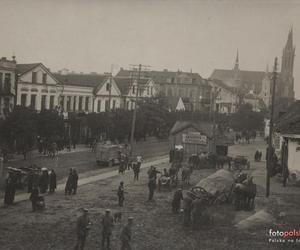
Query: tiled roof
point(160, 76)
point(249, 78)
point(84, 80)
point(23, 68)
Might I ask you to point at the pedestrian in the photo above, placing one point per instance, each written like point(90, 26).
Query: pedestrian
point(44, 181)
point(151, 186)
point(52, 181)
point(121, 194)
point(10, 189)
point(68, 187)
point(136, 171)
point(139, 160)
point(82, 227)
point(74, 181)
point(187, 209)
point(107, 224)
point(177, 200)
point(34, 197)
point(126, 235)
point(152, 172)
point(122, 165)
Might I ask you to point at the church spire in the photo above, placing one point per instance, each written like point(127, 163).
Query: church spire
point(236, 66)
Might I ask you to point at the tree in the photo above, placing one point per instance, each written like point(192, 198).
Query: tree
point(246, 119)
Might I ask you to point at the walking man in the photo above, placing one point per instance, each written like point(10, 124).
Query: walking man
point(75, 181)
point(34, 197)
point(52, 181)
point(177, 200)
point(126, 235)
point(68, 188)
point(83, 227)
point(107, 224)
point(136, 171)
point(121, 194)
point(151, 186)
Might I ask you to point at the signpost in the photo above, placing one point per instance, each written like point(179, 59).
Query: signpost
point(194, 138)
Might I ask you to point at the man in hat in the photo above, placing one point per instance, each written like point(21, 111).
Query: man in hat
point(83, 227)
point(187, 209)
point(107, 224)
point(177, 200)
point(126, 235)
point(121, 194)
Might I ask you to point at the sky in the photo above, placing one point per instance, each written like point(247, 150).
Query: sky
point(92, 35)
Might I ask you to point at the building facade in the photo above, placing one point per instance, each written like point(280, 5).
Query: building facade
point(175, 85)
point(7, 85)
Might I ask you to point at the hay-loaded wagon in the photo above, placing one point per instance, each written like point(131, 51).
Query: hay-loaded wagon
point(216, 188)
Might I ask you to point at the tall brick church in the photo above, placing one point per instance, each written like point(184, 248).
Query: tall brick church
point(259, 82)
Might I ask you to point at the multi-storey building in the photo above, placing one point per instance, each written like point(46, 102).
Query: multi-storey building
point(7, 85)
point(175, 85)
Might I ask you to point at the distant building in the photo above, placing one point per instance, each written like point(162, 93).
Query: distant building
point(178, 84)
point(260, 82)
point(37, 87)
point(7, 85)
point(226, 100)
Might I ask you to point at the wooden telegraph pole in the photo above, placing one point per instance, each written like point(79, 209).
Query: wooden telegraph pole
point(270, 143)
point(135, 106)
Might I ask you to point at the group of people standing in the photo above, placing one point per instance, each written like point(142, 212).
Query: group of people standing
point(84, 224)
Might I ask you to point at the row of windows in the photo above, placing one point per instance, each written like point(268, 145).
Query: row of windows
point(33, 101)
point(5, 81)
point(149, 90)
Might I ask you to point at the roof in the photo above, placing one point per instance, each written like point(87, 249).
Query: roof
point(84, 80)
point(23, 68)
point(249, 78)
point(289, 123)
point(124, 83)
point(204, 127)
point(221, 84)
point(162, 76)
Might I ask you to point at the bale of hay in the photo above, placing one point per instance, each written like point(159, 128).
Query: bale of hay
point(219, 182)
point(261, 218)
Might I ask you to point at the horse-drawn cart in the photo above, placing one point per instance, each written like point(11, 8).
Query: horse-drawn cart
point(241, 162)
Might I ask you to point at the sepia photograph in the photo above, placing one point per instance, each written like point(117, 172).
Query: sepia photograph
point(149, 125)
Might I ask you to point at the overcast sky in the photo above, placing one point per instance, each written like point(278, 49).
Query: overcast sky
point(91, 35)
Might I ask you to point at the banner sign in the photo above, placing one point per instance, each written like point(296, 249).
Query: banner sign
point(194, 138)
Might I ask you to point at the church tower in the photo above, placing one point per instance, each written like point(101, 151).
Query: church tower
point(236, 75)
point(286, 88)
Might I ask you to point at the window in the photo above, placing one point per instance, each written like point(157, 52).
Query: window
point(127, 105)
point(43, 102)
point(34, 77)
point(7, 82)
point(62, 100)
point(6, 103)
point(68, 103)
point(44, 78)
point(151, 91)
point(106, 105)
point(133, 89)
point(131, 106)
point(148, 90)
point(51, 102)
point(107, 86)
point(114, 104)
point(170, 92)
point(87, 100)
point(74, 103)
point(33, 101)
point(1, 81)
point(99, 106)
point(23, 100)
point(80, 103)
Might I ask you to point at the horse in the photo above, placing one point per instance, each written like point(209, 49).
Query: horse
point(222, 160)
point(245, 194)
point(186, 173)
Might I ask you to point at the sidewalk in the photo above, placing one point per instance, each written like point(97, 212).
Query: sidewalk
point(94, 178)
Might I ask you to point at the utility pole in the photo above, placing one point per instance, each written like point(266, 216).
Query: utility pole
point(135, 106)
point(109, 91)
point(270, 143)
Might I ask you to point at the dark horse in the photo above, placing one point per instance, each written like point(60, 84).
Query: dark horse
point(245, 194)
